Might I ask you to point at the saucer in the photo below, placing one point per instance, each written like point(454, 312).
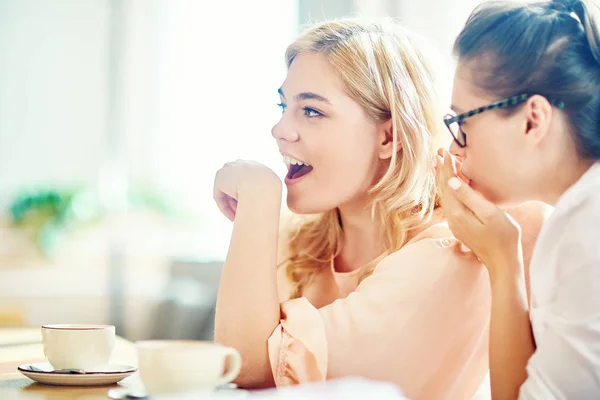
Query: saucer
point(108, 375)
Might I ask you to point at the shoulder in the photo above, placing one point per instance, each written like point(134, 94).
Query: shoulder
point(435, 269)
point(578, 210)
point(530, 212)
point(433, 252)
point(530, 215)
point(582, 212)
point(575, 230)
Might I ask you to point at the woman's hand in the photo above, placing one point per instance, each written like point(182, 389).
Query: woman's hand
point(495, 238)
point(239, 179)
point(489, 232)
point(247, 309)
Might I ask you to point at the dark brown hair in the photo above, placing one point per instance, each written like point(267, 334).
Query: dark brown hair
point(550, 48)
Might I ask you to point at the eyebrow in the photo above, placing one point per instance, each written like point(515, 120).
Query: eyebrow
point(306, 96)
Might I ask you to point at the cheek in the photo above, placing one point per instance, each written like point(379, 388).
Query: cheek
point(356, 154)
point(349, 163)
point(488, 162)
point(349, 146)
point(484, 148)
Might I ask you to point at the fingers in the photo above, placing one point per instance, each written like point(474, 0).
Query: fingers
point(233, 203)
point(449, 165)
point(459, 173)
point(475, 221)
point(224, 203)
point(445, 171)
point(456, 164)
point(472, 200)
point(461, 191)
point(460, 218)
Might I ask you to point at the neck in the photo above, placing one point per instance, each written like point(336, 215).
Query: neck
point(563, 177)
point(362, 238)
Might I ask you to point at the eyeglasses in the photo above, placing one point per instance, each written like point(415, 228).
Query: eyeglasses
point(454, 122)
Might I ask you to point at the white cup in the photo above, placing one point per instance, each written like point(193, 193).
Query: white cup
point(172, 366)
point(77, 346)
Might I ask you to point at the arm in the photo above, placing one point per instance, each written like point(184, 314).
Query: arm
point(530, 216)
point(495, 237)
point(511, 339)
point(247, 309)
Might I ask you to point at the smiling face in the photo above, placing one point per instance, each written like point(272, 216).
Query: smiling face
point(329, 134)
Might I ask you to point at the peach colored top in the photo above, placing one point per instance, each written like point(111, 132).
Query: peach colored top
point(420, 320)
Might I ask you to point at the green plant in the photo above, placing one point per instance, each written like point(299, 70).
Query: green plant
point(48, 214)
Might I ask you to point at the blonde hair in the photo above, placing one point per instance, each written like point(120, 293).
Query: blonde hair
point(382, 69)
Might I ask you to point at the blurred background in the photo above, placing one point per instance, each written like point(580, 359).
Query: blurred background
point(114, 117)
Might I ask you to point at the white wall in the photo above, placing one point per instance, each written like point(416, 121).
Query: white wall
point(184, 87)
point(53, 91)
point(310, 11)
point(54, 73)
point(220, 67)
point(439, 20)
point(193, 85)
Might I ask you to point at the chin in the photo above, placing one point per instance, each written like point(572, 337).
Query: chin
point(502, 198)
point(487, 193)
point(302, 206)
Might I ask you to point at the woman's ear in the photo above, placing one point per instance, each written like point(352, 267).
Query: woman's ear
point(386, 140)
point(539, 115)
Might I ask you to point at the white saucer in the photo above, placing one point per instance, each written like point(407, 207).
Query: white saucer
point(108, 375)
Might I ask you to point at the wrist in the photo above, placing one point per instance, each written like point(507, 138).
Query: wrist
point(267, 188)
point(504, 263)
point(508, 273)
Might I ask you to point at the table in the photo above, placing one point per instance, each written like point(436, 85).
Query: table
point(24, 345)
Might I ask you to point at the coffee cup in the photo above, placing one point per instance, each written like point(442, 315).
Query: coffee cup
point(78, 346)
point(171, 366)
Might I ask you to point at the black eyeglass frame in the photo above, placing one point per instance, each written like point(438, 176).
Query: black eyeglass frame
point(450, 119)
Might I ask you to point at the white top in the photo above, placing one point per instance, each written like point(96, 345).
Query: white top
point(565, 298)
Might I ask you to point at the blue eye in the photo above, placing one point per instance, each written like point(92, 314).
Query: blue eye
point(282, 106)
point(311, 112)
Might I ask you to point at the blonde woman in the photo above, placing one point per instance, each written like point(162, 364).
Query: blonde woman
point(371, 281)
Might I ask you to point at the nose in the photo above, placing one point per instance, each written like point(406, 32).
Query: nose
point(285, 130)
point(456, 150)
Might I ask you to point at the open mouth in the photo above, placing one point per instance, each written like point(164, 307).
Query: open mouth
point(296, 168)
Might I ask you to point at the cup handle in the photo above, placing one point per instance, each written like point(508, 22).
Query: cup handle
point(235, 365)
